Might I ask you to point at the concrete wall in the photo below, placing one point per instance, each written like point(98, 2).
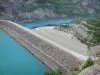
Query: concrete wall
point(49, 54)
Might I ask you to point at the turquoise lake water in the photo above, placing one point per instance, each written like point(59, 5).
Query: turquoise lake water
point(15, 59)
point(46, 22)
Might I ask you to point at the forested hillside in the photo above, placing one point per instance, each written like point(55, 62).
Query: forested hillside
point(43, 9)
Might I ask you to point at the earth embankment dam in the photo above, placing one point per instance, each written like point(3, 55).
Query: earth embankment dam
point(51, 55)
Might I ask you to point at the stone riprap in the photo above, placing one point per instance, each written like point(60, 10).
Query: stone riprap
point(51, 55)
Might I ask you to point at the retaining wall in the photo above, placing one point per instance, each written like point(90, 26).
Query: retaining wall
point(49, 54)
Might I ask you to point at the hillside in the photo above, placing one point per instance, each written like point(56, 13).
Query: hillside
point(19, 10)
point(87, 31)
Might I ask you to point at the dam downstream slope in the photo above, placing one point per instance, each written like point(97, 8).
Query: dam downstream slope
point(65, 41)
point(49, 54)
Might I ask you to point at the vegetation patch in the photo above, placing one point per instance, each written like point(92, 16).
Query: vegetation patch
point(93, 32)
point(89, 62)
point(94, 26)
point(67, 7)
point(54, 72)
point(29, 7)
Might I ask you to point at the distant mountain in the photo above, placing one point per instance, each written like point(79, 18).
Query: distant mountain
point(22, 10)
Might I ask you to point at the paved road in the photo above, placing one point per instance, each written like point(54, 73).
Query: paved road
point(63, 40)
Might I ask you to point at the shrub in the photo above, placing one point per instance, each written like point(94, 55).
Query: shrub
point(55, 72)
point(45, 72)
point(89, 62)
point(76, 69)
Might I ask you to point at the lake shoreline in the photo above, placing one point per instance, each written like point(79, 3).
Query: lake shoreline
point(34, 20)
point(55, 57)
point(26, 48)
point(52, 21)
point(13, 35)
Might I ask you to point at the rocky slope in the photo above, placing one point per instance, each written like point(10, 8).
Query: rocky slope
point(87, 31)
point(93, 70)
point(19, 10)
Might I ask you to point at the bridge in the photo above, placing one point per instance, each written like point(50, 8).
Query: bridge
point(50, 55)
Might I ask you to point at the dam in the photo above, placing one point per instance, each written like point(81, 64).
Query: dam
point(49, 54)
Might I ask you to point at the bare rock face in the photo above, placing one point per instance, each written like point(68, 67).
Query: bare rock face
point(44, 13)
point(94, 70)
point(39, 14)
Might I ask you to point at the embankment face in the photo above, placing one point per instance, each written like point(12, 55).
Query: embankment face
point(49, 54)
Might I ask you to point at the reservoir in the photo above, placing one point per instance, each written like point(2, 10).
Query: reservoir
point(46, 22)
point(16, 60)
